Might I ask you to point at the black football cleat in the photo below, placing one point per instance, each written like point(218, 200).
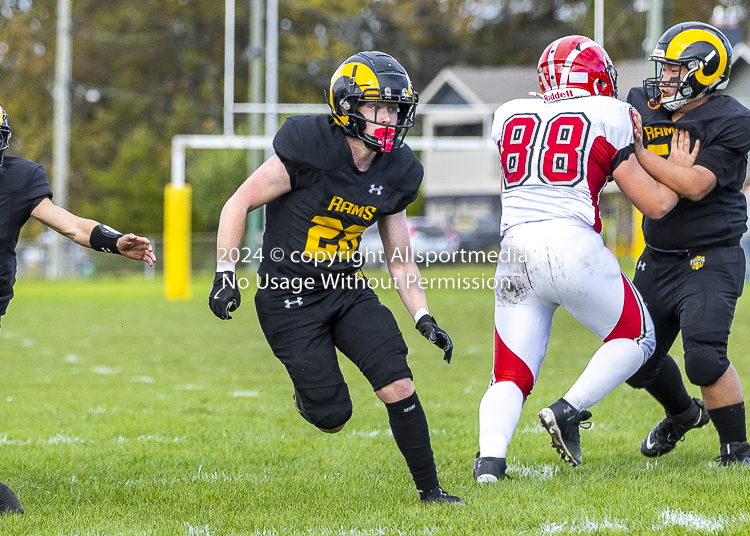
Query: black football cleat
point(562, 421)
point(440, 496)
point(9, 503)
point(735, 454)
point(489, 469)
point(298, 406)
point(669, 431)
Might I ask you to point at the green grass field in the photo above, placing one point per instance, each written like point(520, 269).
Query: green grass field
point(125, 414)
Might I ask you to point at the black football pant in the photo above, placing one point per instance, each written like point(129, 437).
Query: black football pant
point(696, 293)
point(304, 332)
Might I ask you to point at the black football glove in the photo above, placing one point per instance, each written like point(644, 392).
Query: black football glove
point(429, 329)
point(225, 295)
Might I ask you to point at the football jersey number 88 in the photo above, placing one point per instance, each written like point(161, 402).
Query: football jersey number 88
point(560, 154)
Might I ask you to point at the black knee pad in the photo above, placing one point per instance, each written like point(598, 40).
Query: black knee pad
point(327, 407)
point(704, 366)
point(335, 419)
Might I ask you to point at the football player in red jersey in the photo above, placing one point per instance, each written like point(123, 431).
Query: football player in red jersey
point(25, 193)
point(557, 153)
point(692, 270)
point(331, 178)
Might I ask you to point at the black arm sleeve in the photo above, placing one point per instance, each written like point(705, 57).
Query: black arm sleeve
point(622, 155)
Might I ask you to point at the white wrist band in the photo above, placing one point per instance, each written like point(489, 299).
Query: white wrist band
point(419, 314)
point(225, 266)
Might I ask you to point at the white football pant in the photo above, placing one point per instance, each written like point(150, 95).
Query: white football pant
point(551, 264)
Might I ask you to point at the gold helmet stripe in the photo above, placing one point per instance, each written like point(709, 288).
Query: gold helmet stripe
point(364, 78)
point(363, 75)
point(684, 39)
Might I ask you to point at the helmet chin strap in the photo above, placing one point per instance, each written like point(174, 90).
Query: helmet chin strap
point(674, 105)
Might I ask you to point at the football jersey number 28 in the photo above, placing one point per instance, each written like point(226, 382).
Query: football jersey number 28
point(560, 155)
point(330, 238)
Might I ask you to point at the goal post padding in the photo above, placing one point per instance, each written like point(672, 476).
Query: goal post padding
point(177, 222)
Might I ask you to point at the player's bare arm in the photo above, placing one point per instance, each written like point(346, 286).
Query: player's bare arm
point(650, 197)
point(394, 233)
point(268, 182)
point(79, 230)
point(694, 182)
point(678, 172)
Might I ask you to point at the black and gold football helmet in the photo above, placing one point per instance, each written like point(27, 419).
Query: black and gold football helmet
point(706, 54)
point(367, 77)
point(4, 133)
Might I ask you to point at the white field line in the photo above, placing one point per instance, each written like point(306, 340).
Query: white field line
point(62, 439)
point(691, 522)
point(200, 531)
point(142, 379)
point(344, 531)
point(697, 522)
point(58, 439)
point(536, 472)
point(153, 437)
point(246, 394)
point(106, 370)
point(584, 526)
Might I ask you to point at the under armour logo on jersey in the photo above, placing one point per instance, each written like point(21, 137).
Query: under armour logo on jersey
point(289, 303)
point(641, 266)
point(374, 190)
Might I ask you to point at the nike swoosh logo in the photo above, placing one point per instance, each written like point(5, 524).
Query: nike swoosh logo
point(218, 292)
point(649, 443)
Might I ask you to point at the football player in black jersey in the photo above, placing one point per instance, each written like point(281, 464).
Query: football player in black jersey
point(25, 193)
point(692, 270)
point(331, 178)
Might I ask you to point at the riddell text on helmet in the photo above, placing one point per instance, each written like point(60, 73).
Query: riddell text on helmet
point(558, 94)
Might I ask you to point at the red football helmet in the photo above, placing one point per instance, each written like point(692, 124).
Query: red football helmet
point(576, 66)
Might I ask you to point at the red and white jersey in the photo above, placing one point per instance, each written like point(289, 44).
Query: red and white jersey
point(556, 157)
